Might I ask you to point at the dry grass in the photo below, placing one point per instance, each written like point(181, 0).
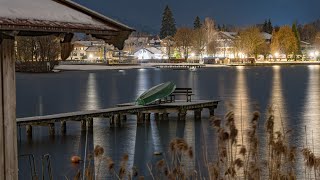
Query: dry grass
point(235, 160)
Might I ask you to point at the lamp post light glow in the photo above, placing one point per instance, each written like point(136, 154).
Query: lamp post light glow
point(276, 54)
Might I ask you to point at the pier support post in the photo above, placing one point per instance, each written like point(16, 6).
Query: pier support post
point(147, 117)
point(51, 129)
point(156, 116)
point(123, 117)
point(165, 116)
point(117, 121)
point(211, 110)
point(63, 127)
point(90, 123)
point(161, 117)
point(29, 131)
point(111, 121)
point(83, 125)
point(140, 118)
point(197, 114)
point(182, 115)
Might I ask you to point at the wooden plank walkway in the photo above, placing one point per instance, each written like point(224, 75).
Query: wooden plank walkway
point(118, 114)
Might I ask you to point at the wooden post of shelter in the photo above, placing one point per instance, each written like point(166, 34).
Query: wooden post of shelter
point(8, 127)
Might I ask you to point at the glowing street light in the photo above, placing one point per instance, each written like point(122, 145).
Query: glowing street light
point(276, 54)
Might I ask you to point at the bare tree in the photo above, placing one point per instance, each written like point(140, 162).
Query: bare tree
point(26, 48)
point(200, 40)
point(168, 43)
point(287, 41)
point(209, 26)
point(212, 47)
point(317, 40)
point(251, 39)
point(48, 48)
point(184, 40)
point(45, 48)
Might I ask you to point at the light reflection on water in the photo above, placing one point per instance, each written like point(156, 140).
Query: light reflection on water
point(91, 90)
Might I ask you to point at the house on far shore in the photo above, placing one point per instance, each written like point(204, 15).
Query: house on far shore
point(91, 50)
point(149, 53)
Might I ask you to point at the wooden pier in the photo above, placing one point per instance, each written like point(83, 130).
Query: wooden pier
point(118, 115)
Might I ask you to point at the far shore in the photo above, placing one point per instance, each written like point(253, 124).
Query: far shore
point(92, 67)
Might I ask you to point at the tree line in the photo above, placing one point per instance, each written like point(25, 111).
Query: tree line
point(43, 48)
point(249, 41)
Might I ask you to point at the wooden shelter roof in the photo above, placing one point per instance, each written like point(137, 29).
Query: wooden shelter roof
point(44, 17)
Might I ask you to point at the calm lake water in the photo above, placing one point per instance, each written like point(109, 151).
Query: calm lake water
point(293, 91)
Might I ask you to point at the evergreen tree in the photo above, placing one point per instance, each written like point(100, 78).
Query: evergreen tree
point(168, 26)
point(197, 23)
point(265, 26)
point(297, 36)
point(219, 27)
point(223, 28)
point(269, 27)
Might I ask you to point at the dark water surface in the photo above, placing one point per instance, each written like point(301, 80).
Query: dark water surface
point(293, 91)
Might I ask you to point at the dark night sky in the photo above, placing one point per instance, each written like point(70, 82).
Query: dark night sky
point(148, 13)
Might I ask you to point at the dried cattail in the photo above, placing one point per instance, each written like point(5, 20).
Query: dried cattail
point(134, 171)
point(230, 171)
point(165, 171)
point(239, 163)
point(171, 176)
point(98, 151)
point(190, 153)
point(243, 151)
point(110, 164)
point(216, 122)
point(225, 136)
point(122, 172)
point(77, 176)
point(125, 157)
point(160, 164)
point(292, 155)
point(172, 145)
point(256, 116)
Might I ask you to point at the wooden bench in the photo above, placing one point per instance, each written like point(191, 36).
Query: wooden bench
point(181, 91)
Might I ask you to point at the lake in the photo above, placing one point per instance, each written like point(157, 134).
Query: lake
point(293, 92)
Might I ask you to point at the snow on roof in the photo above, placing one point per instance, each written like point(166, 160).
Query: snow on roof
point(93, 49)
point(231, 35)
point(152, 50)
point(266, 36)
point(47, 10)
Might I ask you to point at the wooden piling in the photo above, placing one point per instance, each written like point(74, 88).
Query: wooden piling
point(83, 125)
point(63, 127)
point(147, 117)
point(165, 116)
point(29, 131)
point(51, 129)
point(182, 115)
point(8, 125)
point(211, 111)
point(90, 123)
point(140, 118)
point(156, 116)
point(123, 117)
point(197, 114)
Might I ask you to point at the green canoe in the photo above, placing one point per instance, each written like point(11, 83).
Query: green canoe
point(157, 92)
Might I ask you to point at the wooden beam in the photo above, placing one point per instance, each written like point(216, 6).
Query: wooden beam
point(8, 134)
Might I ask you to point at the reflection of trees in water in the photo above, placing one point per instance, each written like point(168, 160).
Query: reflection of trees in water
point(311, 111)
point(277, 102)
